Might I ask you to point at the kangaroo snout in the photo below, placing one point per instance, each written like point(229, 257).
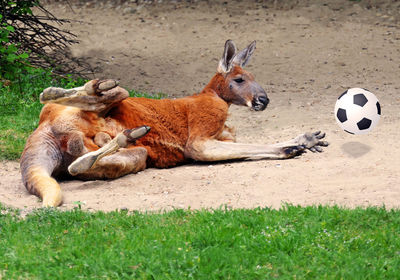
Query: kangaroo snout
point(263, 99)
point(260, 101)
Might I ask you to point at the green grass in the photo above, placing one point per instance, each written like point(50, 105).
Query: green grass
point(294, 242)
point(20, 108)
point(159, 95)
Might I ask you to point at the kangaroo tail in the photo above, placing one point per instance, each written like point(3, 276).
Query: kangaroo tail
point(39, 159)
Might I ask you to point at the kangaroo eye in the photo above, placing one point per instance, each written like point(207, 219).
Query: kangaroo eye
point(238, 80)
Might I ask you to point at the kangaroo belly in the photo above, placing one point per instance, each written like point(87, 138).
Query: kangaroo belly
point(162, 153)
point(167, 119)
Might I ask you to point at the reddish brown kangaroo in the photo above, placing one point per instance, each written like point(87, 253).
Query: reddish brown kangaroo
point(87, 131)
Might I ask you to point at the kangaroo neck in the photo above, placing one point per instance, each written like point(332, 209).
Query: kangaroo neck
point(216, 84)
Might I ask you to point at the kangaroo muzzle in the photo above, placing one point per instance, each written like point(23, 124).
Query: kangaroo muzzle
point(260, 101)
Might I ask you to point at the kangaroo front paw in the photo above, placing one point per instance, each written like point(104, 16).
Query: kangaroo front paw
point(75, 144)
point(312, 141)
point(101, 138)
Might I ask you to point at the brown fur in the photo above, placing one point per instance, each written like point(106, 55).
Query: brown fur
point(187, 128)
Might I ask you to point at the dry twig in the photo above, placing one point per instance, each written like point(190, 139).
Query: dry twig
point(42, 37)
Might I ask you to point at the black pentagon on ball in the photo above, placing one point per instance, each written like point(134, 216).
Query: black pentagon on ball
point(360, 99)
point(364, 124)
point(378, 106)
point(342, 94)
point(341, 115)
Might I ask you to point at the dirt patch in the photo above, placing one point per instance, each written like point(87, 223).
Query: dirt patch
point(306, 57)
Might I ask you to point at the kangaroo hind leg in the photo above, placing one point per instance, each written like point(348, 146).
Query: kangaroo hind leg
point(88, 161)
point(123, 162)
point(95, 96)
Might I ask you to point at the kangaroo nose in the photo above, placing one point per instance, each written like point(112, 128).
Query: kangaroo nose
point(263, 99)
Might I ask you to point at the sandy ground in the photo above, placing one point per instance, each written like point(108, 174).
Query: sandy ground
point(306, 57)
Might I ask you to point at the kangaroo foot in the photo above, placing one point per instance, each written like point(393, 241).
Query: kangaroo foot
point(95, 95)
point(88, 161)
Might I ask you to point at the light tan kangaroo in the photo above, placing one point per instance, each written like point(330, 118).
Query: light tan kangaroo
point(97, 131)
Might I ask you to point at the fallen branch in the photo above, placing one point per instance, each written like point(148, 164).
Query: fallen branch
point(42, 38)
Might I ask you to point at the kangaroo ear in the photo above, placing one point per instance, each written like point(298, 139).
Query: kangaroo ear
point(243, 57)
point(225, 64)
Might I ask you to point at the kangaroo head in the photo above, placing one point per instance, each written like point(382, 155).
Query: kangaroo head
point(238, 85)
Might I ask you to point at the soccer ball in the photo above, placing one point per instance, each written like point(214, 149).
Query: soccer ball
point(357, 111)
